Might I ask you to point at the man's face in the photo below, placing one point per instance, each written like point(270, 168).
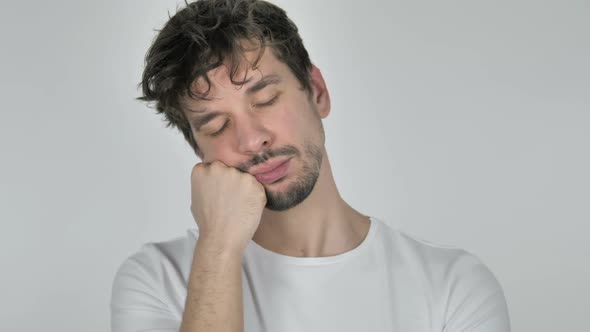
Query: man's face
point(268, 120)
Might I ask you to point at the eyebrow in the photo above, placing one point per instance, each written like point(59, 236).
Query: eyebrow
point(262, 83)
point(201, 120)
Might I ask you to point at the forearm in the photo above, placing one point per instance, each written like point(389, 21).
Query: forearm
point(214, 297)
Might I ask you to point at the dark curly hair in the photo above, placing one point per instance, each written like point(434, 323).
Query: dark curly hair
point(203, 35)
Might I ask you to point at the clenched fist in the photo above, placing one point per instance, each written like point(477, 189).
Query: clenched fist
point(227, 205)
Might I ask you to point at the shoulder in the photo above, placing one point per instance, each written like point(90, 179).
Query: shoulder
point(152, 281)
point(155, 258)
point(432, 256)
point(467, 291)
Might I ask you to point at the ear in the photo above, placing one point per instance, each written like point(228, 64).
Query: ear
point(320, 95)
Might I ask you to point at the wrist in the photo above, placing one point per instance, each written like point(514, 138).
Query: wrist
point(212, 246)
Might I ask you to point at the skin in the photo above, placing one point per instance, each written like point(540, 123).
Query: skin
point(304, 216)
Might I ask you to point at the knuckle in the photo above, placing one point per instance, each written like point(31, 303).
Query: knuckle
point(198, 168)
point(249, 178)
point(217, 164)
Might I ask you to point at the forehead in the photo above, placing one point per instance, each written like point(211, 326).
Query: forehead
point(244, 71)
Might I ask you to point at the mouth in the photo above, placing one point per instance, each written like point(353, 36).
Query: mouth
point(272, 172)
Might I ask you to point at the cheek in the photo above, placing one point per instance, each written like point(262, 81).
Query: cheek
point(293, 121)
point(214, 150)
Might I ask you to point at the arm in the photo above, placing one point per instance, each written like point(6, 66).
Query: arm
point(214, 295)
point(214, 290)
point(227, 205)
point(146, 284)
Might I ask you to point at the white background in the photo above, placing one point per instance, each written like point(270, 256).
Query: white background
point(464, 122)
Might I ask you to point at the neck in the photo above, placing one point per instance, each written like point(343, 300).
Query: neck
point(322, 225)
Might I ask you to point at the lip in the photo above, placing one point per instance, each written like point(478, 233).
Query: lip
point(278, 171)
point(268, 167)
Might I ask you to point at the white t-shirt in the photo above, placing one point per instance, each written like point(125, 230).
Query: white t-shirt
point(390, 282)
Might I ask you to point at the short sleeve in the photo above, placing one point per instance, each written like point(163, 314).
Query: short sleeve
point(476, 301)
point(136, 302)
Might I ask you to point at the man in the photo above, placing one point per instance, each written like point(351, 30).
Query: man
point(277, 248)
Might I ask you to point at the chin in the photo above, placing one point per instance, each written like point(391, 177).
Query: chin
point(287, 192)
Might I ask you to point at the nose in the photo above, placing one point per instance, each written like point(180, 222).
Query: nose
point(251, 135)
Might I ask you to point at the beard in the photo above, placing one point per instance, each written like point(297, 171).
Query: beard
point(300, 188)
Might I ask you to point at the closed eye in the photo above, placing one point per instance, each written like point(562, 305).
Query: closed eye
point(268, 103)
point(226, 124)
point(217, 133)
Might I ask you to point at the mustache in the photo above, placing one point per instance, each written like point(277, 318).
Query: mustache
point(288, 150)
